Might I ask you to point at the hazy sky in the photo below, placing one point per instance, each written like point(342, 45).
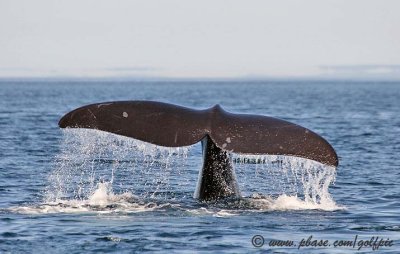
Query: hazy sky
point(199, 38)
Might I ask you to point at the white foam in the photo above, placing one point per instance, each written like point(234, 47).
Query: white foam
point(224, 213)
point(102, 200)
point(288, 203)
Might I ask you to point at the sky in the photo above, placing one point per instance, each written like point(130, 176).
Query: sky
point(200, 39)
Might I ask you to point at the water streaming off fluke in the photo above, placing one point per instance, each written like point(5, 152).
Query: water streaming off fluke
point(90, 157)
point(101, 172)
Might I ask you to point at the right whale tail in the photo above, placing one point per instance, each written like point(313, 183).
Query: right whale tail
point(221, 132)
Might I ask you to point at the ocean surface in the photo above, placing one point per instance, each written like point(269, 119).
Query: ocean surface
point(87, 191)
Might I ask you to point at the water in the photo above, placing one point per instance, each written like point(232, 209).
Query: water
point(88, 191)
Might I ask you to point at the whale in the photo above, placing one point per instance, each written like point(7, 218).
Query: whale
point(220, 132)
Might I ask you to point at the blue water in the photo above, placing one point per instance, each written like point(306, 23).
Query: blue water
point(87, 191)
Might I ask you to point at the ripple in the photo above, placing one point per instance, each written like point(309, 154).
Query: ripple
point(377, 228)
point(9, 234)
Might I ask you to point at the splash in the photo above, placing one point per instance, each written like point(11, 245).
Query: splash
point(101, 172)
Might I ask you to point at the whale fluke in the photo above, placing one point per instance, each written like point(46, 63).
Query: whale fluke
point(221, 132)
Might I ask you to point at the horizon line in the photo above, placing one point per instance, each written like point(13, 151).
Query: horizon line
point(177, 78)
